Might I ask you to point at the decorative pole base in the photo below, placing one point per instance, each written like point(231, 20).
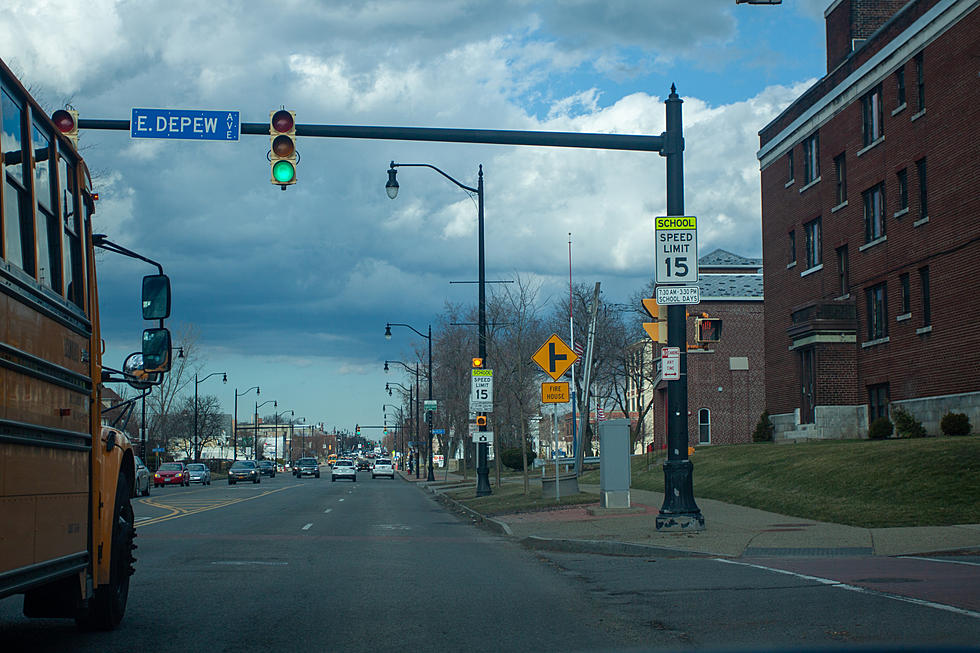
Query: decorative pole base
point(679, 512)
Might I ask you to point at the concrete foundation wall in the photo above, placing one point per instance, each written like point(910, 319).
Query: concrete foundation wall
point(930, 410)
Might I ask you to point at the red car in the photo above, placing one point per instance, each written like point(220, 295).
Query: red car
point(172, 474)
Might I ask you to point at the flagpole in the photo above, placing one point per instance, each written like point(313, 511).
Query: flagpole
point(571, 339)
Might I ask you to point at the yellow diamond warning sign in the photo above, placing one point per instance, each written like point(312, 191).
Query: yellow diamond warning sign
point(555, 357)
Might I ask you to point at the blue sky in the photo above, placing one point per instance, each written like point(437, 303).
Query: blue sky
point(291, 290)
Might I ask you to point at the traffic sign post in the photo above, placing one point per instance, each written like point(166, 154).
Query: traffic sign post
point(481, 391)
point(670, 363)
point(554, 357)
point(667, 295)
point(555, 393)
point(185, 124)
point(677, 249)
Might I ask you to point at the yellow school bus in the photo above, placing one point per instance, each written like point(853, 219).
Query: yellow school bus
point(66, 522)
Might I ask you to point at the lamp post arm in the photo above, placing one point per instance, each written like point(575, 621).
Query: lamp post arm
point(427, 337)
point(426, 165)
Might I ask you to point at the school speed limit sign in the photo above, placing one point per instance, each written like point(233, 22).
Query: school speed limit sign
point(677, 249)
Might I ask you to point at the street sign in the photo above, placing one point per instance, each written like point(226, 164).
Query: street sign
point(670, 363)
point(481, 391)
point(678, 295)
point(438, 431)
point(158, 450)
point(431, 405)
point(554, 357)
point(483, 437)
point(185, 124)
point(676, 249)
point(555, 393)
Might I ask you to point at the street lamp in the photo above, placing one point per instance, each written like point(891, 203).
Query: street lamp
point(417, 394)
point(224, 379)
point(291, 435)
point(428, 416)
point(255, 443)
point(237, 395)
point(275, 456)
point(482, 470)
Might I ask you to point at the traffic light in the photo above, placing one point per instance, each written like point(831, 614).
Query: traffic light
point(385, 432)
point(657, 330)
point(481, 420)
point(66, 121)
point(282, 138)
point(709, 329)
point(357, 430)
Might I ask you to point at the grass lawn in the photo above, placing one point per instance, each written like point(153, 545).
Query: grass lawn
point(510, 498)
point(869, 483)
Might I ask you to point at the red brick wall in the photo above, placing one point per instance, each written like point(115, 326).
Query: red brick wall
point(947, 360)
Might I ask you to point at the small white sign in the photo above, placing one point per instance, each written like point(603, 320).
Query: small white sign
point(667, 295)
point(483, 437)
point(670, 363)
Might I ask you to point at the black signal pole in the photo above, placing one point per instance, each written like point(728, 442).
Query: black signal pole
point(679, 511)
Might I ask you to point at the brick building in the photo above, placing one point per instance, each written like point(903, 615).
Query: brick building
point(871, 224)
point(726, 379)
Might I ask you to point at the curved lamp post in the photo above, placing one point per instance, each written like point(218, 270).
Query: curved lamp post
point(197, 453)
point(255, 443)
point(428, 416)
point(237, 395)
point(275, 456)
point(391, 188)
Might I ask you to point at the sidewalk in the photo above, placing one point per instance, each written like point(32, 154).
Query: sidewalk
point(730, 530)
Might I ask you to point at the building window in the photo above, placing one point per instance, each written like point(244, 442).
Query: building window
point(877, 401)
point(841, 179)
point(789, 163)
point(926, 302)
point(811, 158)
point(903, 189)
point(792, 247)
point(842, 270)
point(877, 305)
point(920, 83)
point(903, 279)
point(874, 213)
point(871, 113)
point(704, 426)
point(900, 87)
point(920, 169)
point(814, 255)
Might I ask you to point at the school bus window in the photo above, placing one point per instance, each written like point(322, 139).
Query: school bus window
point(18, 219)
point(48, 224)
point(72, 245)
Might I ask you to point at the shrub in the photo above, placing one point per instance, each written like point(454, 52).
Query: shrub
point(906, 426)
point(880, 429)
point(763, 429)
point(512, 458)
point(955, 424)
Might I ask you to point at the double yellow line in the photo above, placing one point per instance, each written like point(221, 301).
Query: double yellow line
point(177, 511)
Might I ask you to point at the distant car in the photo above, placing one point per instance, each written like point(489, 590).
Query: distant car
point(244, 470)
point(306, 467)
point(199, 473)
point(363, 465)
point(171, 474)
point(142, 486)
point(383, 467)
point(267, 468)
point(343, 468)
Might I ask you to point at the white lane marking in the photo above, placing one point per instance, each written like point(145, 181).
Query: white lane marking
point(307, 527)
point(250, 562)
point(339, 499)
point(860, 590)
point(327, 510)
point(953, 562)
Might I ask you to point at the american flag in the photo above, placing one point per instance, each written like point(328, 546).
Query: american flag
point(579, 349)
point(600, 414)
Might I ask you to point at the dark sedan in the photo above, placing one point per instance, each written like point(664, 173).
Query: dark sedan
point(244, 470)
point(267, 468)
point(306, 467)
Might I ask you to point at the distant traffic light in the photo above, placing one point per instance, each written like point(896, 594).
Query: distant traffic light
point(657, 330)
point(709, 329)
point(357, 430)
point(283, 157)
point(481, 420)
point(66, 121)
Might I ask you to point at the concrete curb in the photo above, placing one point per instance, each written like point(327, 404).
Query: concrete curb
point(493, 524)
point(609, 547)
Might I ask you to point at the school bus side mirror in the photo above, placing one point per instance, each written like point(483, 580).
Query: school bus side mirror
point(156, 297)
point(156, 350)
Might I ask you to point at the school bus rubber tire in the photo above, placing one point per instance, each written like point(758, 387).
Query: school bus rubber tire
point(107, 606)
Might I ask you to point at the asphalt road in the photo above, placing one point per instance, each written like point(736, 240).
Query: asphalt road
point(314, 565)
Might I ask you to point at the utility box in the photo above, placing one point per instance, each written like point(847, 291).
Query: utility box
point(614, 463)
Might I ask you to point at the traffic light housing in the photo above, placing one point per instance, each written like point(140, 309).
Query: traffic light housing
point(66, 122)
point(477, 362)
point(657, 330)
point(357, 430)
point(282, 140)
point(481, 420)
point(709, 329)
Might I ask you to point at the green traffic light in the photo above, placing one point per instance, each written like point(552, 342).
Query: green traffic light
point(283, 172)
